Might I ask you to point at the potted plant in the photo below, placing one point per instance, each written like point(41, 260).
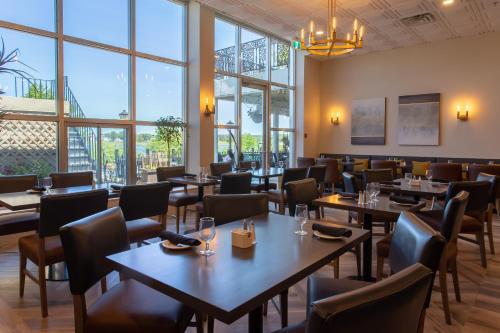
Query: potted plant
point(169, 130)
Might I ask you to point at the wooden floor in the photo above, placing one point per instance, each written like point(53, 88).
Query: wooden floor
point(478, 312)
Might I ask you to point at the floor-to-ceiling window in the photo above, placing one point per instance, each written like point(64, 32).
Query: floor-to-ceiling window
point(254, 95)
point(83, 83)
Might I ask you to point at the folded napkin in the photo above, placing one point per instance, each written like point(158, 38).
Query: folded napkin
point(116, 188)
point(189, 175)
point(348, 195)
point(38, 189)
point(332, 231)
point(390, 182)
point(403, 200)
point(178, 239)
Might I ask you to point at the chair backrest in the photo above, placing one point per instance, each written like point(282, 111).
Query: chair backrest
point(377, 175)
point(317, 172)
point(494, 181)
point(61, 209)
point(301, 192)
point(395, 304)
point(479, 196)
point(72, 179)
point(332, 169)
point(475, 169)
point(305, 162)
point(385, 164)
point(446, 172)
point(140, 201)
point(19, 183)
point(247, 165)
point(414, 241)
point(293, 174)
point(453, 215)
point(236, 183)
point(86, 244)
point(163, 173)
point(217, 169)
point(225, 208)
point(350, 183)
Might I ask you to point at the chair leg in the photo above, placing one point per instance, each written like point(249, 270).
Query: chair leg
point(489, 229)
point(184, 215)
point(336, 268)
point(387, 228)
point(482, 247)
point(43, 289)
point(358, 259)
point(210, 324)
point(104, 285)
point(497, 205)
point(454, 274)
point(177, 216)
point(22, 274)
point(444, 291)
point(199, 322)
point(380, 267)
point(264, 308)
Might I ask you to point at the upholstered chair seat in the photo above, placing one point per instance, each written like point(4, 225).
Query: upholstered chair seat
point(141, 229)
point(29, 246)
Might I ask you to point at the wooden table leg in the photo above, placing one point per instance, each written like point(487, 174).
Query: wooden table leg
point(284, 308)
point(201, 191)
point(255, 324)
point(367, 249)
point(266, 184)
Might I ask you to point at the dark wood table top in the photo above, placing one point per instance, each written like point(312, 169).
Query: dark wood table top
point(426, 188)
point(267, 173)
point(234, 281)
point(384, 207)
point(194, 181)
point(25, 200)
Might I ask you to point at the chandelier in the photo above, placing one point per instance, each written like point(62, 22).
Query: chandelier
point(329, 43)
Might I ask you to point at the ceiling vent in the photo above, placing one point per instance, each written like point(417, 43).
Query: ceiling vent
point(419, 19)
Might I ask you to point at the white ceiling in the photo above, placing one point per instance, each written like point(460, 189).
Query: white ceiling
point(381, 17)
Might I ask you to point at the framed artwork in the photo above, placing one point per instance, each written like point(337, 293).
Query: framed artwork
point(418, 120)
point(368, 121)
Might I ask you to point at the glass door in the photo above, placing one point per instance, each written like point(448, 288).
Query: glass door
point(103, 150)
point(253, 123)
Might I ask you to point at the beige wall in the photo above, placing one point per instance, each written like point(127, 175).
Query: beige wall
point(465, 71)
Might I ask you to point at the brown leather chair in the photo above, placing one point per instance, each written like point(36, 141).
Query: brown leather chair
point(448, 223)
point(279, 196)
point(475, 169)
point(332, 174)
point(129, 306)
point(44, 248)
point(257, 186)
point(378, 307)
point(446, 172)
point(377, 175)
point(141, 202)
point(305, 162)
point(385, 164)
point(12, 223)
point(72, 179)
point(217, 169)
point(177, 199)
point(413, 241)
point(247, 165)
point(225, 208)
point(494, 194)
point(318, 172)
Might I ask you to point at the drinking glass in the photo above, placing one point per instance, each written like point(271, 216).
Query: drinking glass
point(450, 161)
point(47, 184)
point(280, 164)
point(376, 191)
point(428, 175)
point(347, 158)
point(207, 233)
point(408, 177)
point(491, 162)
point(370, 192)
point(253, 165)
point(301, 218)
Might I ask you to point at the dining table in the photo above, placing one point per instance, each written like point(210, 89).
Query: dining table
point(266, 174)
point(383, 208)
point(236, 281)
point(421, 189)
point(199, 182)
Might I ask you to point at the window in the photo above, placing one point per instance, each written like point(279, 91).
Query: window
point(160, 90)
point(34, 13)
point(225, 46)
point(253, 54)
point(160, 28)
point(96, 84)
point(100, 21)
point(31, 88)
point(226, 91)
point(280, 61)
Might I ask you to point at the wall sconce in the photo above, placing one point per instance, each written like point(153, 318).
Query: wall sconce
point(463, 117)
point(335, 121)
point(209, 111)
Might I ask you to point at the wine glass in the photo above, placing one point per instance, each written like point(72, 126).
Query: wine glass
point(280, 164)
point(428, 175)
point(370, 192)
point(376, 191)
point(47, 184)
point(301, 218)
point(253, 165)
point(207, 233)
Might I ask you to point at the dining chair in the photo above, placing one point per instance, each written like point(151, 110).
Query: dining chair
point(219, 168)
point(318, 172)
point(44, 248)
point(377, 307)
point(426, 248)
point(491, 169)
point(305, 162)
point(278, 197)
point(377, 175)
point(446, 172)
point(139, 203)
point(448, 223)
point(494, 194)
point(225, 208)
point(22, 221)
point(129, 306)
point(72, 179)
point(385, 164)
point(177, 199)
point(304, 192)
point(257, 186)
point(332, 174)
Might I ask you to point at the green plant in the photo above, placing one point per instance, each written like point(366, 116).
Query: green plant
point(169, 130)
point(7, 58)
